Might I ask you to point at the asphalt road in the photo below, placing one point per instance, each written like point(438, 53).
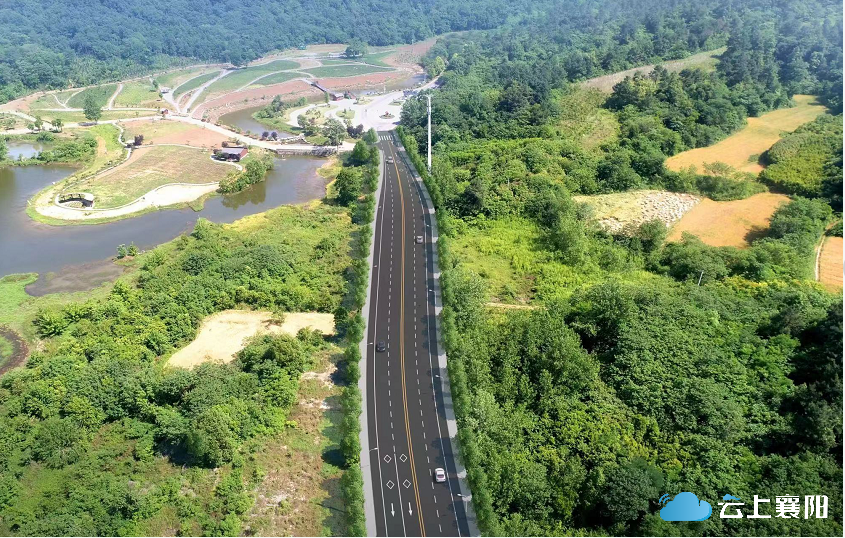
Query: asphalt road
point(406, 418)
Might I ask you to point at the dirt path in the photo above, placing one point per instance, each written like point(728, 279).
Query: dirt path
point(225, 333)
point(110, 105)
point(196, 93)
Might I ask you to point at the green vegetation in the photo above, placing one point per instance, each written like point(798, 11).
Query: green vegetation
point(6, 349)
point(345, 70)
point(115, 417)
point(804, 162)
point(193, 83)
point(644, 367)
point(276, 78)
point(138, 94)
point(98, 95)
point(244, 76)
point(255, 170)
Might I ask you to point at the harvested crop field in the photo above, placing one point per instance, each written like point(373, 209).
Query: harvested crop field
point(830, 264)
point(150, 167)
point(706, 60)
point(729, 224)
point(742, 149)
point(225, 333)
point(621, 212)
point(173, 132)
point(139, 93)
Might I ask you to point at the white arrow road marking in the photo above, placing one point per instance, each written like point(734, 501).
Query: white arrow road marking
point(392, 513)
point(410, 512)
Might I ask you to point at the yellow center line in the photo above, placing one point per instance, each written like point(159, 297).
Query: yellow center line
point(402, 348)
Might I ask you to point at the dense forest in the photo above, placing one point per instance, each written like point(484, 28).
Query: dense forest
point(645, 367)
point(58, 43)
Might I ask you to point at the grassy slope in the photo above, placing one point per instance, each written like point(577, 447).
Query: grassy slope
point(742, 149)
point(706, 60)
point(509, 255)
point(345, 70)
point(138, 94)
point(101, 95)
point(193, 83)
point(242, 77)
point(150, 168)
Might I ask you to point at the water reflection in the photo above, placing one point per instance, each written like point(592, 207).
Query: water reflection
point(30, 246)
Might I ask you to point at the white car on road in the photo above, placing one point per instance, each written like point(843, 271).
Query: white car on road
point(439, 475)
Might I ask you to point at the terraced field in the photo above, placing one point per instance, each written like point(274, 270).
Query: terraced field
point(193, 83)
point(139, 93)
point(101, 96)
point(346, 70)
point(242, 77)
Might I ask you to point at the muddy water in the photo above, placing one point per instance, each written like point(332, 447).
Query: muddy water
point(29, 246)
point(243, 120)
point(25, 149)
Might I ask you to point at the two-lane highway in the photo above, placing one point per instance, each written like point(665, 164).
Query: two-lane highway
point(407, 430)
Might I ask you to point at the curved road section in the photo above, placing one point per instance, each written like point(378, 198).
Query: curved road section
point(407, 395)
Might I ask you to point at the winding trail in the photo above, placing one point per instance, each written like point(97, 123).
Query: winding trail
point(110, 105)
point(196, 93)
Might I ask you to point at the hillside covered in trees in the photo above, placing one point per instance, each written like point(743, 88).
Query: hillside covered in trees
point(643, 367)
point(56, 43)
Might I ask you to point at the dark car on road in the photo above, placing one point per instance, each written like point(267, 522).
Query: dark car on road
point(380, 346)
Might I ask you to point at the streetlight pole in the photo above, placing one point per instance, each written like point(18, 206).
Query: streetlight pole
point(429, 133)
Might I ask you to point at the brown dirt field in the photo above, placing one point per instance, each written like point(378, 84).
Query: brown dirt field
point(225, 333)
point(742, 149)
point(173, 132)
point(370, 80)
point(409, 55)
point(830, 264)
point(235, 100)
point(728, 224)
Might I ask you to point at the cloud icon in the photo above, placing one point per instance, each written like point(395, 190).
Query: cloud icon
point(728, 497)
point(686, 507)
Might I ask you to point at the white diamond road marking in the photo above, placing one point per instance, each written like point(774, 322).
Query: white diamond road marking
point(387, 459)
point(390, 484)
point(404, 458)
point(406, 483)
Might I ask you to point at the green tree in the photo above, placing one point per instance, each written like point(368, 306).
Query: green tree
point(348, 186)
point(4, 149)
point(360, 153)
point(356, 48)
point(91, 109)
point(58, 125)
point(371, 137)
point(335, 131)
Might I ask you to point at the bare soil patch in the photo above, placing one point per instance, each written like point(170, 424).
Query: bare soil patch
point(410, 55)
point(830, 264)
point(624, 211)
point(225, 333)
point(729, 224)
point(252, 97)
point(174, 132)
point(20, 351)
point(81, 277)
point(742, 149)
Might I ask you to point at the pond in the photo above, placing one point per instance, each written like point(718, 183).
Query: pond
point(30, 246)
point(243, 120)
point(25, 149)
